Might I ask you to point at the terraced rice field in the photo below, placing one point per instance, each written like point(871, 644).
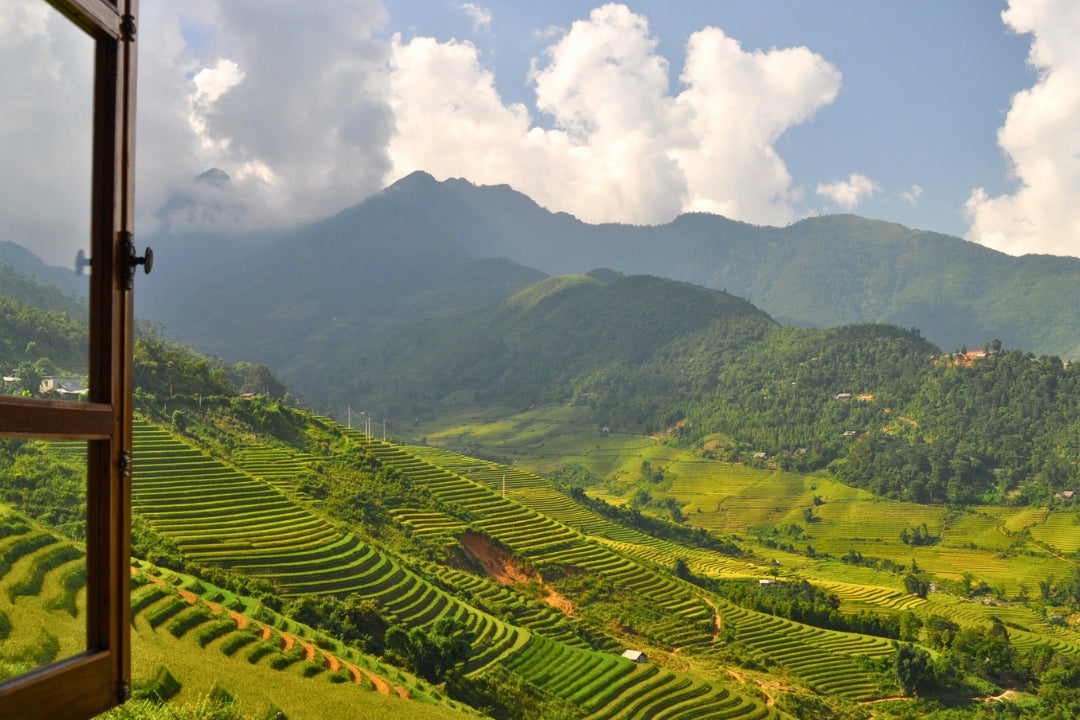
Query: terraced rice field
point(278, 466)
point(873, 520)
point(819, 657)
point(619, 688)
point(218, 514)
point(42, 586)
point(1061, 532)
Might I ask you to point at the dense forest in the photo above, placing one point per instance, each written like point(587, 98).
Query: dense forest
point(879, 405)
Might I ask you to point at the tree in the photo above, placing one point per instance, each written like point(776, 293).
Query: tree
point(30, 375)
point(940, 632)
point(434, 652)
point(913, 669)
point(910, 625)
point(916, 585)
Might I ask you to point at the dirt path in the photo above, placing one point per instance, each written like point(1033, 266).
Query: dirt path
point(765, 687)
point(718, 622)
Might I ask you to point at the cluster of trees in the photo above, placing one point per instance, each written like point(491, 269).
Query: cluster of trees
point(802, 602)
point(164, 369)
point(35, 343)
point(44, 486)
point(1004, 423)
point(986, 653)
point(918, 536)
point(880, 405)
point(432, 652)
point(354, 619)
point(633, 517)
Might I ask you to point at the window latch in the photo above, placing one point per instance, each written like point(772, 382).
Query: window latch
point(133, 260)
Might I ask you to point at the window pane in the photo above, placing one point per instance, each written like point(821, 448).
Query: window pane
point(42, 553)
point(46, 92)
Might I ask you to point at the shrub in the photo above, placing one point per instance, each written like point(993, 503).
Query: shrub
point(260, 651)
point(160, 688)
point(235, 642)
point(206, 635)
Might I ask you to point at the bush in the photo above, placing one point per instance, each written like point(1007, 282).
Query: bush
point(206, 635)
point(311, 669)
point(162, 687)
point(260, 651)
point(233, 643)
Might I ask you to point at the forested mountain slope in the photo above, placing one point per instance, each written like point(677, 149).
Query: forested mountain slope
point(879, 405)
point(823, 271)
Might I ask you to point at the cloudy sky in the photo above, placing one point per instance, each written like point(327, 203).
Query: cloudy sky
point(961, 117)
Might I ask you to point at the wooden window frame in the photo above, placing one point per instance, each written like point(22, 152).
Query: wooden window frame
point(98, 678)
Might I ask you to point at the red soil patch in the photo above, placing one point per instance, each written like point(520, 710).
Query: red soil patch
point(381, 685)
point(354, 673)
point(265, 632)
point(402, 692)
point(241, 620)
point(309, 651)
point(502, 567)
point(332, 663)
point(287, 642)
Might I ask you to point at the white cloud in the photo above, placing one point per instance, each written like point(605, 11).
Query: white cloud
point(480, 15)
point(45, 142)
point(737, 106)
point(1041, 137)
point(847, 194)
point(622, 147)
point(307, 113)
point(290, 100)
point(913, 194)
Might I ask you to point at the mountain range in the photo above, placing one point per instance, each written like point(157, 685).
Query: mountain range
point(424, 249)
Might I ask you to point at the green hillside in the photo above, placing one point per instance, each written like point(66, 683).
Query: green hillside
point(878, 406)
point(787, 522)
point(261, 510)
point(823, 271)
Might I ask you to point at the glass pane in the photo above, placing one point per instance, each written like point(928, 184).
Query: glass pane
point(46, 92)
point(42, 553)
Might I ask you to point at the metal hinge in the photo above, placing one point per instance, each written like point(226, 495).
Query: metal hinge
point(127, 27)
point(125, 464)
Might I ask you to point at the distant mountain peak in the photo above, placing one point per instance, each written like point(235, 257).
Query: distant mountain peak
point(214, 176)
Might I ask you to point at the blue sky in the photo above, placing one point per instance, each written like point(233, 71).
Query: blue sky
point(961, 117)
point(925, 85)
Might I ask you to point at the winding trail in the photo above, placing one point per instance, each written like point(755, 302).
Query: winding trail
point(718, 621)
